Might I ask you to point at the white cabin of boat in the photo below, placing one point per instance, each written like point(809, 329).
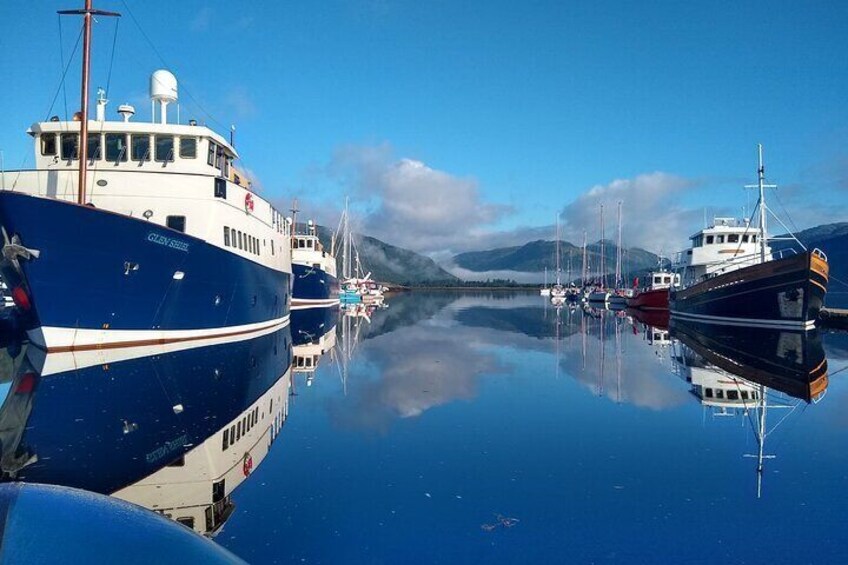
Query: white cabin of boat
point(308, 250)
point(728, 244)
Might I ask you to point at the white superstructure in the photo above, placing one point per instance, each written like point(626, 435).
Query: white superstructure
point(183, 176)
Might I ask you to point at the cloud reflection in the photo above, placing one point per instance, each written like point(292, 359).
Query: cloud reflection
point(444, 352)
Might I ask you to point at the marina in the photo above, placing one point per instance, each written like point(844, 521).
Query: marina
point(381, 294)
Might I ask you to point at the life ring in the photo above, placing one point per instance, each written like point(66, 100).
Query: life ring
point(248, 203)
point(247, 465)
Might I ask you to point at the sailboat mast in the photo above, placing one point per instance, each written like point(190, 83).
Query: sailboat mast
point(558, 269)
point(602, 267)
point(618, 251)
point(584, 273)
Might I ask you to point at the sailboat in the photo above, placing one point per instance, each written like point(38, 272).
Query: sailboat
point(730, 275)
point(600, 294)
point(618, 298)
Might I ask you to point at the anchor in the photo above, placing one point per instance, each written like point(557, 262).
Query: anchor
point(13, 250)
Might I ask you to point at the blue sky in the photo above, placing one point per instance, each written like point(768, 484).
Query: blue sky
point(460, 126)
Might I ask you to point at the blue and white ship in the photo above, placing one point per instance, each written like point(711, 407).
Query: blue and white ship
point(314, 271)
point(148, 233)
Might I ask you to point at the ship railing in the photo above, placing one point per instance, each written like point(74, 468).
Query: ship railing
point(821, 254)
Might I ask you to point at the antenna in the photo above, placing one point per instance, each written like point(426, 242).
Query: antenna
point(86, 13)
point(294, 210)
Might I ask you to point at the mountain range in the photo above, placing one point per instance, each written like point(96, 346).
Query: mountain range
point(388, 263)
point(392, 264)
point(539, 255)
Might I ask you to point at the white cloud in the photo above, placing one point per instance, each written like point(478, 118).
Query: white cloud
point(653, 217)
point(412, 204)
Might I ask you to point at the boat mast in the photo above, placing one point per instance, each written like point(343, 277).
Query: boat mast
point(618, 251)
point(761, 173)
point(602, 277)
point(585, 272)
point(294, 212)
point(86, 14)
point(345, 244)
point(558, 269)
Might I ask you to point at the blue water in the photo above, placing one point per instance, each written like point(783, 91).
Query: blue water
point(459, 408)
point(490, 428)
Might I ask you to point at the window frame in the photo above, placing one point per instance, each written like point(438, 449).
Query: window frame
point(98, 138)
point(48, 136)
point(210, 153)
point(193, 140)
point(176, 217)
point(164, 137)
point(123, 153)
point(75, 146)
point(139, 136)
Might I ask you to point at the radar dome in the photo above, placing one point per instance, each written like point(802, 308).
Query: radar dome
point(163, 86)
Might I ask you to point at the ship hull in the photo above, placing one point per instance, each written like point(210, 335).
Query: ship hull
point(313, 287)
point(105, 280)
point(782, 293)
point(656, 299)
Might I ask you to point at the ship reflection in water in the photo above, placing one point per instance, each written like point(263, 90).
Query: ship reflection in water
point(452, 427)
point(175, 431)
point(749, 371)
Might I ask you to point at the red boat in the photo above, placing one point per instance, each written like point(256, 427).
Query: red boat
point(654, 297)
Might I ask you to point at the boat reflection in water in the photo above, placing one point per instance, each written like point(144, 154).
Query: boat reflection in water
point(173, 431)
point(749, 371)
point(313, 335)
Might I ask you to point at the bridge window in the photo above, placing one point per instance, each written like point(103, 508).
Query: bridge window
point(210, 156)
point(140, 148)
point(719, 239)
point(733, 395)
point(667, 280)
point(753, 239)
point(745, 238)
point(219, 157)
point(176, 223)
point(116, 147)
point(719, 393)
point(733, 238)
point(48, 144)
point(708, 393)
point(226, 236)
point(709, 240)
point(188, 147)
point(240, 242)
point(164, 148)
point(70, 146)
point(94, 149)
point(657, 280)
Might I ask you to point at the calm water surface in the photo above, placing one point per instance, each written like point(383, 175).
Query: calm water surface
point(496, 429)
point(461, 427)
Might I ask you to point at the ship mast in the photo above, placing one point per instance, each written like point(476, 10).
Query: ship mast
point(294, 210)
point(86, 14)
point(761, 186)
point(558, 269)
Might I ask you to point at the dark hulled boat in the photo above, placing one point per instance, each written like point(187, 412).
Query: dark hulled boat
point(730, 275)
